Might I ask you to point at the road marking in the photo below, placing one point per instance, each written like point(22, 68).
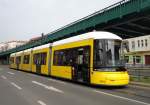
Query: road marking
point(41, 102)
point(48, 87)
point(57, 81)
point(124, 98)
point(15, 85)
point(4, 77)
point(11, 73)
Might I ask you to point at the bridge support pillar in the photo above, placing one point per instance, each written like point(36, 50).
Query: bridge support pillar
point(4, 60)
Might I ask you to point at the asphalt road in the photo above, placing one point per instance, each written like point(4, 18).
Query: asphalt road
point(21, 88)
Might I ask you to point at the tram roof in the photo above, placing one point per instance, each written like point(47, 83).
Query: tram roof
point(27, 50)
point(13, 54)
point(19, 52)
point(42, 46)
point(89, 35)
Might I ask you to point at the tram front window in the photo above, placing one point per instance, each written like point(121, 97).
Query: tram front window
point(107, 55)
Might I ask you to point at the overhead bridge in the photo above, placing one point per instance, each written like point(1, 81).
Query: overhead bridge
point(127, 18)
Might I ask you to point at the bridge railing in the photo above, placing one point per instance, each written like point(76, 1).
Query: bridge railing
point(114, 11)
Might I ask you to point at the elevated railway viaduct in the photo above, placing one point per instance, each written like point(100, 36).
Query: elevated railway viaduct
point(127, 18)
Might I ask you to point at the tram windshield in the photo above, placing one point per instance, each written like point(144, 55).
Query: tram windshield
point(107, 54)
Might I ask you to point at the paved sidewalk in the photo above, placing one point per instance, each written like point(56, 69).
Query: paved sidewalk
point(139, 84)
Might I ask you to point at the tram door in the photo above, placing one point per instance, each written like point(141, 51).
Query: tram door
point(81, 67)
point(18, 60)
point(38, 63)
point(38, 68)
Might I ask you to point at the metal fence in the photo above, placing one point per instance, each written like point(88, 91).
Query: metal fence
point(137, 66)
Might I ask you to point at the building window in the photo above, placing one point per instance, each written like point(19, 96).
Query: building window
point(142, 43)
point(138, 43)
point(133, 44)
point(126, 59)
point(146, 42)
point(138, 59)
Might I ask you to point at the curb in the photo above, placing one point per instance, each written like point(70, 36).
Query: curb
point(140, 84)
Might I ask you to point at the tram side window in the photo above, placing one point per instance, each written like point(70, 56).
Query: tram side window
point(59, 58)
point(40, 58)
point(62, 57)
point(99, 53)
point(43, 58)
point(26, 59)
point(55, 60)
point(86, 56)
point(11, 60)
point(82, 55)
point(68, 57)
point(18, 60)
point(35, 59)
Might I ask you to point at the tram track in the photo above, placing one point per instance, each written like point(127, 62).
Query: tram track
point(131, 90)
point(72, 90)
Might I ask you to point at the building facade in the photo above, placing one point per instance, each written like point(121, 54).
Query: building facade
point(10, 44)
point(138, 52)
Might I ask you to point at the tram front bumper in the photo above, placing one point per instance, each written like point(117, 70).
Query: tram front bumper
point(110, 78)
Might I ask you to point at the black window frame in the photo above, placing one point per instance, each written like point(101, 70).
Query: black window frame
point(146, 43)
point(133, 44)
point(126, 58)
point(66, 57)
point(26, 59)
point(40, 58)
point(138, 43)
point(18, 60)
point(142, 43)
point(138, 59)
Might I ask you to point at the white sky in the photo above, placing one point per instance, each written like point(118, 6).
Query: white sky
point(25, 19)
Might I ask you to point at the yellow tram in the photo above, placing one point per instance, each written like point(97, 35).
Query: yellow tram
point(26, 62)
point(93, 58)
point(41, 59)
point(12, 60)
